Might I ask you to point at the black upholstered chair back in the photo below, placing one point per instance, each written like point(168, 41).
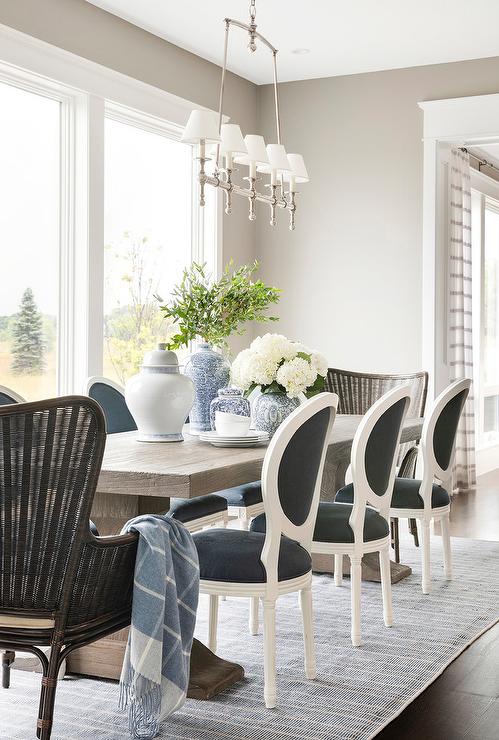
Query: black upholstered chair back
point(300, 466)
point(112, 401)
point(446, 426)
point(382, 445)
point(7, 396)
point(50, 458)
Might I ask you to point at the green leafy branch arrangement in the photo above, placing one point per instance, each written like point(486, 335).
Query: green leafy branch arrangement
point(213, 310)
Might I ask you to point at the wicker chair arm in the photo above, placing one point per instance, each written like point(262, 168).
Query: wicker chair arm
point(104, 579)
point(407, 467)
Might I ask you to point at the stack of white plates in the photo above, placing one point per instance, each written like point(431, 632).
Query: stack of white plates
point(251, 439)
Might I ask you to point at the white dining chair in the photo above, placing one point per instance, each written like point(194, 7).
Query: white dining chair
point(235, 562)
point(355, 529)
point(425, 500)
point(8, 396)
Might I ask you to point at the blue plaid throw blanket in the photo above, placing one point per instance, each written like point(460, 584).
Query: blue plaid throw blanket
point(155, 674)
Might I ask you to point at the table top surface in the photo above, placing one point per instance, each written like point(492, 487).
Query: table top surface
point(181, 464)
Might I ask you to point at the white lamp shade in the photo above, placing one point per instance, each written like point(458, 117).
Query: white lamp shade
point(298, 169)
point(202, 124)
point(278, 159)
point(257, 153)
point(232, 140)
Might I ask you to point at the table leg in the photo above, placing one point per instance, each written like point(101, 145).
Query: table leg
point(103, 659)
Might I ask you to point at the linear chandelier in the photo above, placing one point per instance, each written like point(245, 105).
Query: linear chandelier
point(285, 170)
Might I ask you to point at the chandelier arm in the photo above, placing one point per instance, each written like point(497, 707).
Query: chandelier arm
point(251, 30)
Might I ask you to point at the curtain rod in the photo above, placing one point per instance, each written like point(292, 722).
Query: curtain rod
point(481, 162)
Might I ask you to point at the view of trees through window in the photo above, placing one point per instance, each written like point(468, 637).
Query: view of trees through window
point(148, 210)
point(29, 184)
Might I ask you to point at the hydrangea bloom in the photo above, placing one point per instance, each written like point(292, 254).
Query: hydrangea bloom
point(273, 360)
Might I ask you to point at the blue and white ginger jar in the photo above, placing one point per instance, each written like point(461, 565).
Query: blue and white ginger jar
point(231, 401)
point(209, 371)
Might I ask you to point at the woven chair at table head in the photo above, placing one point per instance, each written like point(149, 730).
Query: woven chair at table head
point(358, 391)
point(59, 585)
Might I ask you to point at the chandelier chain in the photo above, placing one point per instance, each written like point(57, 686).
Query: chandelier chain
point(252, 11)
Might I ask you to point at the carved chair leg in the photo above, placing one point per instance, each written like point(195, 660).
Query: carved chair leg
point(8, 658)
point(47, 697)
point(413, 529)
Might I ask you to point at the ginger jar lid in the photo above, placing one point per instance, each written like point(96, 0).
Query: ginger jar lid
point(230, 392)
point(161, 358)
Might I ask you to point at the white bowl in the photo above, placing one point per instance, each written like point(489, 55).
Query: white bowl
point(230, 425)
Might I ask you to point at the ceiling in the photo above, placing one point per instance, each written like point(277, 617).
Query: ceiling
point(342, 37)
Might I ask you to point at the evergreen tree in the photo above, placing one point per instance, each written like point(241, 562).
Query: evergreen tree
point(28, 348)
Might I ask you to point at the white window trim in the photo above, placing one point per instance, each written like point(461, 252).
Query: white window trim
point(88, 92)
point(485, 194)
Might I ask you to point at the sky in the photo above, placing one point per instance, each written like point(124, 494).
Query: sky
point(29, 198)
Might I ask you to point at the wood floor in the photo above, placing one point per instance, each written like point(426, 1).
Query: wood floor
point(463, 703)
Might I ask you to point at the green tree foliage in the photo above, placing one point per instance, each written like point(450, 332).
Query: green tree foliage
point(213, 310)
point(28, 349)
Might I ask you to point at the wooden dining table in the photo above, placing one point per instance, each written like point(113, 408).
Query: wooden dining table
point(141, 477)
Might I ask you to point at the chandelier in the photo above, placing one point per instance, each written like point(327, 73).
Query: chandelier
point(204, 128)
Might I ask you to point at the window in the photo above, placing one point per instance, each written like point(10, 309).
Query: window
point(148, 238)
point(29, 241)
point(99, 215)
point(486, 315)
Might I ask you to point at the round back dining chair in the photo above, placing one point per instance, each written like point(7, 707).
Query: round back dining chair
point(425, 500)
point(362, 526)
point(235, 562)
point(111, 398)
point(7, 396)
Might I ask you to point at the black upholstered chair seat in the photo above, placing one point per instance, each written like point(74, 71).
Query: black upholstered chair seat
point(246, 495)
point(405, 495)
point(233, 555)
point(186, 511)
point(332, 524)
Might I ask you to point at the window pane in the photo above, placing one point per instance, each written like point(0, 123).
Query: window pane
point(491, 299)
point(29, 241)
point(148, 234)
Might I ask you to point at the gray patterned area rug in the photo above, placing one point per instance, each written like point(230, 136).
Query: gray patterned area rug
point(358, 690)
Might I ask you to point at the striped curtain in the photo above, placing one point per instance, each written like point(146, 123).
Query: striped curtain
point(460, 312)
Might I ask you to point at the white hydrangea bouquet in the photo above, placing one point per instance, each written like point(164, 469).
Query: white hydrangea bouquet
point(275, 364)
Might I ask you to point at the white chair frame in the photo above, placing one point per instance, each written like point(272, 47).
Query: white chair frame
point(277, 525)
point(195, 525)
point(106, 381)
point(9, 392)
point(364, 495)
point(432, 471)
point(220, 519)
point(246, 513)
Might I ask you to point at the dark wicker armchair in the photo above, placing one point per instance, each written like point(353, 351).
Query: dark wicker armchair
point(358, 391)
point(59, 585)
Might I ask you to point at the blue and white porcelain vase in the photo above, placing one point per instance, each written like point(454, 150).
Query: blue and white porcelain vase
point(231, 401)
point(159, 397)
point(209, 371)
point(271, 409)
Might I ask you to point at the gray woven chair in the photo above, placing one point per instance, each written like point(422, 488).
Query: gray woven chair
point(59, 585)
point(358, 391)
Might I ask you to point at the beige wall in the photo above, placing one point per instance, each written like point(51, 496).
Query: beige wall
point(351, 272)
